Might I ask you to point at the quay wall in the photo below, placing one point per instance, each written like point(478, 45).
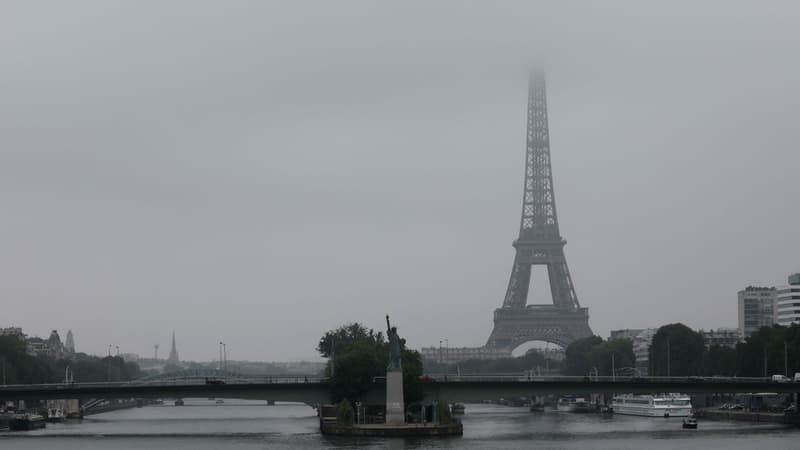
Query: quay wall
point(749, 416)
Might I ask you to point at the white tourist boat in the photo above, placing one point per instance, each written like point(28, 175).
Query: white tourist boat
point(661, 405)
point(573, 404)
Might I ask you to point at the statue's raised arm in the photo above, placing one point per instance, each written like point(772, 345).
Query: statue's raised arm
point(394, 347)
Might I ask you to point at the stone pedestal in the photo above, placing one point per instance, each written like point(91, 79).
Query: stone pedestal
point(395, 408)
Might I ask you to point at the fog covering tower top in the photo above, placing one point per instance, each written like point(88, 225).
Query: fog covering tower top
point(539, 243)
point(539, 220)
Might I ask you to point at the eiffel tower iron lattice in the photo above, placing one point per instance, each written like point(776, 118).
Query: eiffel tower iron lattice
point(539, 243)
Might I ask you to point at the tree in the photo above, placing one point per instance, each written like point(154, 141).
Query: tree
point(343, 337)
point(443, 414)
point(720, 361)
point(677, 350)
point(530, 360)
point(579, 355)
point(22, 367)
point(770, 350)
point(344, 413)
point(355, 369)
point(359, 356)
point(586, 355)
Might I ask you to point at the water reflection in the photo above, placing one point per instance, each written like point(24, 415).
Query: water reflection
point(246, 425)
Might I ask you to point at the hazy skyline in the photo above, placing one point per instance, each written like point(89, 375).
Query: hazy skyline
point(259, 173)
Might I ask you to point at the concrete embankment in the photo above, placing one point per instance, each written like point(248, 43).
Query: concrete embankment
point(383, 430)
point(748, 416)
point(113, 406)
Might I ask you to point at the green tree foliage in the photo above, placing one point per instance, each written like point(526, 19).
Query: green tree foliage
point(345, 415)
point(443, 414)
point(355, 368)
point(580, 357)
point(22, 368)
point(529, 361)
point(345, 336)
point(360, 355)
point(584, 355)
point(677, 350)
point(780, 345)
point(720, 361)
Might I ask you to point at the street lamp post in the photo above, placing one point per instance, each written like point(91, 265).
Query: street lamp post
point(785, 358)
point(219, 366)
point(440, 351)
point(613, 371)
point(669, 358)
point(224, 356)
point(447, 350)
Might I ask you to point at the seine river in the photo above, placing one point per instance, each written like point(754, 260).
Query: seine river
point(246, 425)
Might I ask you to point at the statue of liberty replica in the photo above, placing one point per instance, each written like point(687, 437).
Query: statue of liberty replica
point(395, 408)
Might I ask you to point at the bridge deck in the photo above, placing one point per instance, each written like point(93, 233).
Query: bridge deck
point(462, 389)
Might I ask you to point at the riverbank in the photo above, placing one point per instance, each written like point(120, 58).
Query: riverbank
point(748, 416)
point(117, 405)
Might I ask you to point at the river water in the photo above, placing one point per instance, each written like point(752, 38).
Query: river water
point(248, 425)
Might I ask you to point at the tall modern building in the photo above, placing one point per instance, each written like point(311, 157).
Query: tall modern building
point(787, 302)
point(756, 309)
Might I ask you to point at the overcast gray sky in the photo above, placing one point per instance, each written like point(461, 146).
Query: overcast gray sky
point(260, 172)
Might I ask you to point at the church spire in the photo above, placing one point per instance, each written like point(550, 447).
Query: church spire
point(69, 345)
point(173, 353)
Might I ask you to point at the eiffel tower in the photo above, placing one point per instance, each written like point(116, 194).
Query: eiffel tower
point(539, 243)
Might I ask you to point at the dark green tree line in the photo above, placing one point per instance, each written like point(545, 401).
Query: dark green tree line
point(22, 368)
point(593, 355)
point(359, 356)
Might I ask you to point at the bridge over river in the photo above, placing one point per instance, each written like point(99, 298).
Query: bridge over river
point(314, 390)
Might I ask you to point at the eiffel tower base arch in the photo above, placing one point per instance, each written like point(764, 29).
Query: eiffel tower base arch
point(514, 327)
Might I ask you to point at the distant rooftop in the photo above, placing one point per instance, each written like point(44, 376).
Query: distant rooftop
point(759, 288)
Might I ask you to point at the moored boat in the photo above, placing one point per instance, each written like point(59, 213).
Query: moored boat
point(457, 408)
point(55, 415)
point(26, 422)
point(573, 404)
point(662, 405)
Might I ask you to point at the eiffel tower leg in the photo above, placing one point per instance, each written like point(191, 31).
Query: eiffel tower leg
point(518, 285)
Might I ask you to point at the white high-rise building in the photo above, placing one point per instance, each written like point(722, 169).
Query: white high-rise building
point(787, 302)
point(756, 309)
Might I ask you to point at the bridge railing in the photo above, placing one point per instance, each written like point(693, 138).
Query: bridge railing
point(516, 377)
point(182, 381)
point(428, 378)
